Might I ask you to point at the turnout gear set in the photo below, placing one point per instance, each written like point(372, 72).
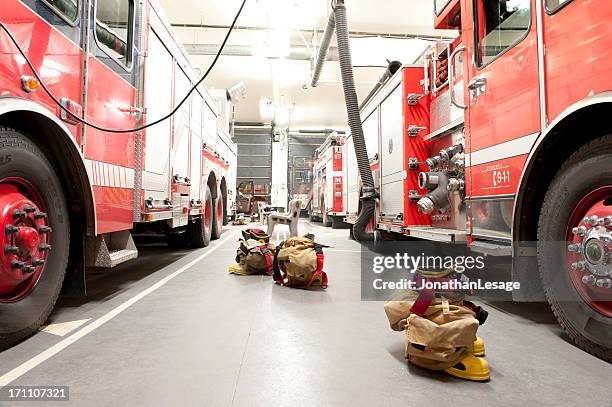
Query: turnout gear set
point(440, 328)
point(255, 255)
point(298, 263)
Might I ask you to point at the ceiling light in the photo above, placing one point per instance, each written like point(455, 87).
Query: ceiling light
point(237, 93)
point(271, 44)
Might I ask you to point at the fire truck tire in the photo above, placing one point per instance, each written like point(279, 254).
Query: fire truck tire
point(338, 222)
point(218, 217)
point(21, 158)
point(177, 240)
point(225, 215)
point(588, 169)
point(325, 218)
point(200, 229)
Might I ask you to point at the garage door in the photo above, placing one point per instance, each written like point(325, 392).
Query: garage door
point(301, 150)
point(255, 157)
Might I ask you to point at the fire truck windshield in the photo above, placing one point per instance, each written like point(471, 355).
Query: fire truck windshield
point(68, 8)
point(505, 23)
point(114, 27)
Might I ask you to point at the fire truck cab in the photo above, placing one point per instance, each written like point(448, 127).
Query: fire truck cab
point(72, 195)
point(498, 140)
point(328, 194)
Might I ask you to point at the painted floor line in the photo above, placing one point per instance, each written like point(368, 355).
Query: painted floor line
point(22, 369)
point(63, 328)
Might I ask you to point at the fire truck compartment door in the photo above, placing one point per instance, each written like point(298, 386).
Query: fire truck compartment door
point(392, 155)
point(180, 146)
point(351, 177)
point(370, 132)
point(158, 100)
point(329, 181)
point(502, 93)
point(196, 145)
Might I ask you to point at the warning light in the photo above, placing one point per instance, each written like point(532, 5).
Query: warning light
point(30, 84)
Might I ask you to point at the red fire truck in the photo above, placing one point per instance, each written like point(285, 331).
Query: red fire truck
point(72, 195)
point(500, 141)
point(328, 193)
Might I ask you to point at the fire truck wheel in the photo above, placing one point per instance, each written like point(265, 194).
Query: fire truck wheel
point(34, 240)
point(574, 232)
point(225, 215)
point(325, 218)
point(178, 240)
point(218, 217)
point(338, 222)
point(200, 229)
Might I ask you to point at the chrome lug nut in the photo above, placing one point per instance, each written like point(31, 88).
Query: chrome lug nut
point(39, 215)
point(44, 246)
point(9, 229)
point(18, 214)
point(579, 265)
point(604, 283)
point(16, 264)
point(574, 248)
point(580, 230)
point(45, 229)
point(28, 269)
point(29, 208)
point(589, 280)
point(37, 262)
point(8, 249)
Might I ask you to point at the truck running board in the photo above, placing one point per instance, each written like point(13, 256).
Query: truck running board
point(110, 250)
point(437, 234)
point(491, 248)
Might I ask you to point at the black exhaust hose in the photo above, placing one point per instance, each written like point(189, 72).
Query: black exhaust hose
point(393, 67)
point(354, 118)
point(327, 36)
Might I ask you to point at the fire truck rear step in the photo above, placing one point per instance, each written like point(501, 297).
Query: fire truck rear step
point(110, 250)
point(437, 234)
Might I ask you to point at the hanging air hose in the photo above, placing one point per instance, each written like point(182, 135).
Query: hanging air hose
point(339, 20)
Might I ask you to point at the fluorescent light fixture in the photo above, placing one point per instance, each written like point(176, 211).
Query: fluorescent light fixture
point(271, 44)
point(377, 50)
point(237, 93)
point(293, 14)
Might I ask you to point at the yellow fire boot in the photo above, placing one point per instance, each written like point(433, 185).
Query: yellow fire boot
point(471, 368)
point(478, 348)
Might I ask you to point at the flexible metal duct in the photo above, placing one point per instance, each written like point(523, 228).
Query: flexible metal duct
point(338, 20)
point(323, 50)
point(393, 67)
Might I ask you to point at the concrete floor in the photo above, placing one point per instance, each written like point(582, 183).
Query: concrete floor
point(207, 338)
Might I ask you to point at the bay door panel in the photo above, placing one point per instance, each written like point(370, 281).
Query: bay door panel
point(502, 92)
